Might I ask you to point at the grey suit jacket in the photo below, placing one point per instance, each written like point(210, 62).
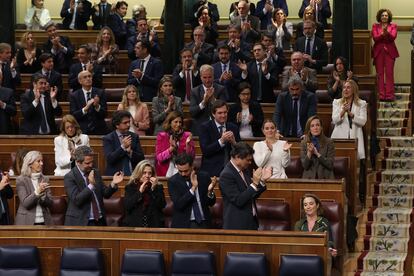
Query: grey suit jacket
point(26, 213)
point(311, 83)
point(159, 105)
point(322, 167)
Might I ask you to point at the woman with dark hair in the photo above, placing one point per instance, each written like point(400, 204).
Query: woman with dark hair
point(281, 29)
point(309, 14)
point(339, 75)
point(313, 221)
point(171, 142)
point(34, 193)
point(144, 198)
point(27, 57)
point(317, 152)
point(246, 113)
point(140, 120)
point(37, 16)
point(69, 139)
point(204, 20)
point(105, 51)
point(384, 52)
point(164, 103)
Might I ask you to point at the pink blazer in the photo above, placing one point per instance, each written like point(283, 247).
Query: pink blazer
point(384, 42)
point(141, 121)
point(163, 155)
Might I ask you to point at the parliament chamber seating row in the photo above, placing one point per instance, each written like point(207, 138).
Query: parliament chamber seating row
point(25, 261)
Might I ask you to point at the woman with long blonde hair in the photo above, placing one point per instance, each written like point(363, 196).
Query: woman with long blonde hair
point(105, 51)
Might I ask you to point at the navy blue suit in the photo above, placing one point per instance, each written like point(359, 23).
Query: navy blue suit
point(319, 52)
point(238, 199)
point(155, 50)
point(7, 96)
point(232, 84)
point(101, 19)
point(5, 194)
point(54, 78)
point(148, 84)
point(215, 157)
point(82, 15)
point(76, 68)
point(119, 28)
point(93, 122)
point(115, 156)
point(266, 19)
point(61, 60)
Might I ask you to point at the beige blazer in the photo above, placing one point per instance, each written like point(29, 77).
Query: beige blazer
point(28, 201)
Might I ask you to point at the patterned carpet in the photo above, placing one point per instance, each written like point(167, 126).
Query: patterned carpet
point(390, 217)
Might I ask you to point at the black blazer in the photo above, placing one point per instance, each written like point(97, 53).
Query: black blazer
point(134, 206)
point(7, 96)
point(8, 80)
point(76, 68)
point(238, 199)
point(214, 156)
point(82, 16)
point(183, 199)
point(255, 109)
point(232, 84)
point(32, 116)
point(155, 50)
point(92, 122)
point(244, 54)
point(319, 52)
point(206, 54)
point(62, 60)
point(115, 155)
point(5, 194)
point(101, 19)
point(55, 79)
point(179, 83)
point(21, 58)
point(119, 28)
point(284, 111)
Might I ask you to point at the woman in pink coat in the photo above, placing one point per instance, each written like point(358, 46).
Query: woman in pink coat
point(171, 142)
point(384, 53)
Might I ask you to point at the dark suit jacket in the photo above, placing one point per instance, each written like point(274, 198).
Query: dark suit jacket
point(80, 196)
point(255, 109)
point(82, 16)
point(198, 115)
point(155, 50)
point(322, 167)
point(8, 80)
point(284, 108)
point(5, 194)
point(135, 210)
point(244, 54)
point(232, 84)
point(323, 13)
point(320, 32)
point(92, 122)
point(215, 157)
point(266, 19)
point(7, 96)
point(119, 28)
point(21, 58)
point(55, 79)
point(319, 52)
point(254, 34)
point(268, 96)
point(115, 155)
point(179, 83)
point(76, 68)
point(238, 199)
point(213, 10)
point(33, 115)
point(131, 27)
point(101, 19)
point(206, 54)
point(62, 60)
point(148, 84)
point(183, 199)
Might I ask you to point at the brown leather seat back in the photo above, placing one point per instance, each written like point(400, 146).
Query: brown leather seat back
point(58, 210)
point(114, 209)
point(273, 215)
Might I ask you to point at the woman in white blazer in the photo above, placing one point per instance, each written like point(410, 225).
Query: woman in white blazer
point(349, 115)
point(69, 139)
point(37, 16)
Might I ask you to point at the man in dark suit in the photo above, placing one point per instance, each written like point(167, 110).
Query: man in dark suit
point(262, 75)
point(121, 147)
point(314, 49)
point(138, 11)
point(88, 106)
point(239, 48)
point(7, 109)
point(76, 14)
point(293, 108)
point(274, 53)
point(227, 73)
point(240, 191)
point(6, 192)
point(216, 139)
point(60, 47)
point(39, 108)
point(192, 193)
point(265, 9)
point(86, 191)
point(186, 75)
point(203, 96)
point(143, 33)
point(213, 10)
point(84, 58)
point(322, 10)
point(145, 72)
point(11, 76)
point(249, 24)
point(100, 15)
point(117, 24)
point(202, 52)
point(54, 78)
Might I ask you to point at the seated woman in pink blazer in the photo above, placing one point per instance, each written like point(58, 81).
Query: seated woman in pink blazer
point(384, 53)
point(171, 142)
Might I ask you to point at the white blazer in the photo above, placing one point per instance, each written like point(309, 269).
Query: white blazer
point(278, 158)
point(43, 16)
point(62, 153)
point(342, 129)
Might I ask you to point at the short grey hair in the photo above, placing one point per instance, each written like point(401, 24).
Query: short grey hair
point(295, 80)
point(28, 160)
point(81, 152)
point(206, 67)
